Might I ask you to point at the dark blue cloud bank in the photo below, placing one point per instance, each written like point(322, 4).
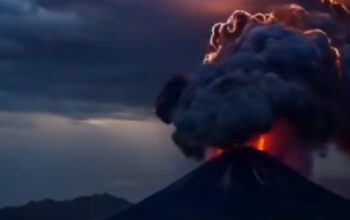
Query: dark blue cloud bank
point(91, 58)
point(96, 57)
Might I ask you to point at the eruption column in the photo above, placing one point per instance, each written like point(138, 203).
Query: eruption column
point(277, 76)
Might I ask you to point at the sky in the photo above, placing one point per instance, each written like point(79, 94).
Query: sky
point(78, 79)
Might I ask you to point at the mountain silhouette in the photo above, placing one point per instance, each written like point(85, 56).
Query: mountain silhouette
point(240, 184)
point(96, 207)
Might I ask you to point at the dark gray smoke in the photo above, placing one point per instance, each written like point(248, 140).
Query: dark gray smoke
point(260, 69)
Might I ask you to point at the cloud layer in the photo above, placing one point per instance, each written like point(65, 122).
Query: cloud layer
point(90, 53)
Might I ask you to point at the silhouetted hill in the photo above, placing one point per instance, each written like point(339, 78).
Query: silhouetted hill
point(96, 207)
point(240, 184)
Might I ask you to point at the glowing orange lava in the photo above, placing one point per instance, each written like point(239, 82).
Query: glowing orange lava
point(280, 137)
point(280, 142)
point(261, 143)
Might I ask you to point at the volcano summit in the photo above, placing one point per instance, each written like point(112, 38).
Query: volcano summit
point(240, 184)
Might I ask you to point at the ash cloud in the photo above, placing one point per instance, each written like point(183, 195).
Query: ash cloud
point(289, 64)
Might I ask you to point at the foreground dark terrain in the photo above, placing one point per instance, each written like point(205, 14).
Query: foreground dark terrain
point(95, 207)
point(240, 184)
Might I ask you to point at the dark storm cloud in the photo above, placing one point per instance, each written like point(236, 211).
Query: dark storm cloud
point(103, 53)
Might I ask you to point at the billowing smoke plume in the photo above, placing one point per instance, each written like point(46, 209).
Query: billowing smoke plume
point(290, 65)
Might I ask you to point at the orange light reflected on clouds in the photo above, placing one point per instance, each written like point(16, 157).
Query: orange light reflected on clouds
point(208, 7)
point(224, 7)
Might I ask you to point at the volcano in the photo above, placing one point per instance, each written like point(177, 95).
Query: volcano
point(240, 184)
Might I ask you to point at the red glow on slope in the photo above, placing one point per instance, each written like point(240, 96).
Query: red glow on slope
point(277, 140)
point(283, 143)
point(218, 153)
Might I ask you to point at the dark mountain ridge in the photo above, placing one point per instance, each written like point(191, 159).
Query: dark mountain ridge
point(96, 207)
point(240, 184)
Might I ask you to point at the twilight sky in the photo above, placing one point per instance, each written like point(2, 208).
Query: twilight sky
point(78, 81)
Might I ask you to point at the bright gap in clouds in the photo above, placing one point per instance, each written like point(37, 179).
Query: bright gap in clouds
point(47, 156)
